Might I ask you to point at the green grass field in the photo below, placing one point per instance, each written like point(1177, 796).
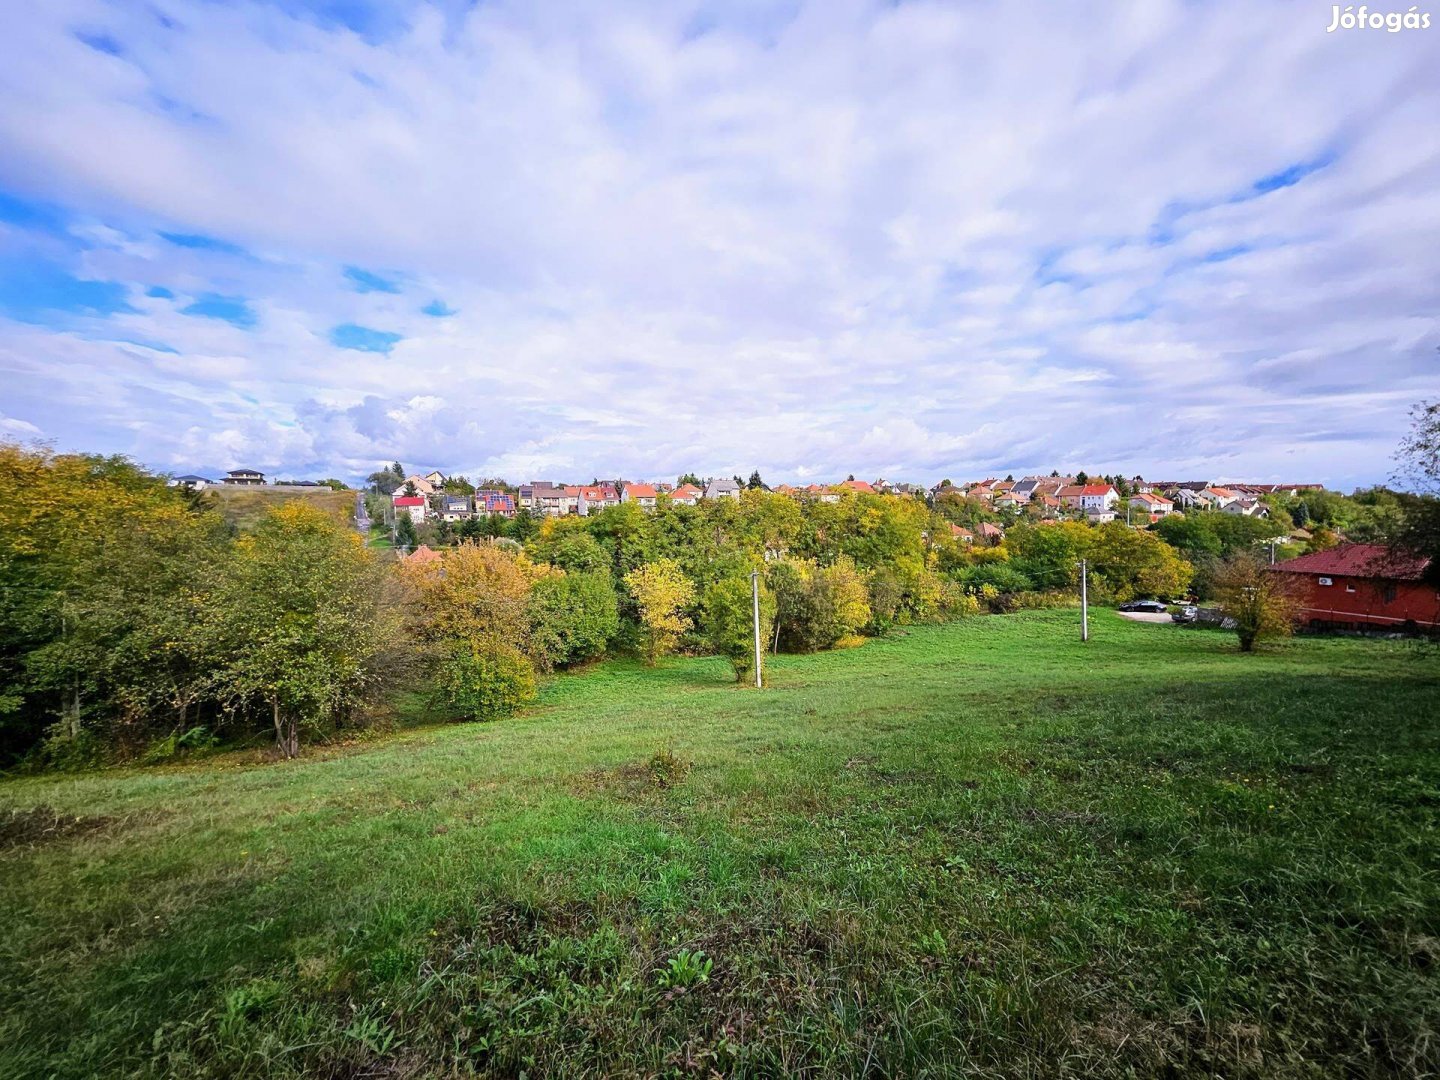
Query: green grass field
point(980, 849)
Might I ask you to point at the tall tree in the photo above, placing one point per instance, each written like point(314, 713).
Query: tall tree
point(1418, 467)
point(297, 622)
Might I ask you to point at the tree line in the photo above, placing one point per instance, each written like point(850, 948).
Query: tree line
point(136, 622)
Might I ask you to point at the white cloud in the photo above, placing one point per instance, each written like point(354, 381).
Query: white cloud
point(817, 239)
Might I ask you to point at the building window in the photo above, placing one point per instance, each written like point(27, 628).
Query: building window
point(1389, 594)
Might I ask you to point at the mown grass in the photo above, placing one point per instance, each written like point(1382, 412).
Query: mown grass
point(981, 849)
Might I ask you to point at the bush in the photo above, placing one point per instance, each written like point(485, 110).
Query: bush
point(729, 625)
point(572, 618)
point(886, 593)
point(1002, 577)
point(815, 608)
point(488, 682)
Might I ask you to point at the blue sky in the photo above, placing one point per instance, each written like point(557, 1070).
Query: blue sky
point(554, 240)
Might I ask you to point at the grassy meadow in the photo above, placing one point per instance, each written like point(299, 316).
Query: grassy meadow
point(981, 849)
point(244, 506)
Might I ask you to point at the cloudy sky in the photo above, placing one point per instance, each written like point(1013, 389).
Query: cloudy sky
point(552, 240)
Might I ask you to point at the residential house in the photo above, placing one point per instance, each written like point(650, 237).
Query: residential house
point(501, 503)
point(1189, 498)
point(722, 489)
point(1050, 506)
point(190, 482)
point(243, 478)
point(1156, 506)
point(858, 486)
point(642, 495)
point(1100, 517)
point(990, 534)
point(422, 555)
point(422, 485)
point(592, 498)
point(541, 497)
point(1217, 498)
point(1358, 586)
point(686, 495)
point(1246, 506)
point(414, 505)
point(435, 479)
point(1024, 488)
point(965, 536)
point(455, 507)
point(1089, 497)
point(1007, 500)
point(821, 493)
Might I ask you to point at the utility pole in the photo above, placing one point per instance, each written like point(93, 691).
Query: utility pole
point(755, 612)
point(1272, 551)
point(1084, 603)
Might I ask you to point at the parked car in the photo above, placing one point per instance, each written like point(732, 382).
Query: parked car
point(1188, 613)
point(1149, 607)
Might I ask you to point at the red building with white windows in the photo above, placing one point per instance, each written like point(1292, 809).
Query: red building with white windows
point(1363, 586)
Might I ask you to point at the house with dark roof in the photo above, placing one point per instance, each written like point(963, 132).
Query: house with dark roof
point(500, 503)
point(455, 507)
point(1363, 586)
point(190, 481)
point(243, 478)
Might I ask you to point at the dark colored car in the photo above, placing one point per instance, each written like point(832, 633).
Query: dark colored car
point(1149, 607)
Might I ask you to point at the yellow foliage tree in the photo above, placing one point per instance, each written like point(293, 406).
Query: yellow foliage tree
point(661, 592)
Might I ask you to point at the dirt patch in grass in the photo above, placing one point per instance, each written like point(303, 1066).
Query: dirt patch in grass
point(637, 779)
point(44, 825)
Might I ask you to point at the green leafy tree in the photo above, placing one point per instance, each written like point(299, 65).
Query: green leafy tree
point(297, 622)
point(405, 534)
point(728, 621)
point(573, 617)
point(1417, 532)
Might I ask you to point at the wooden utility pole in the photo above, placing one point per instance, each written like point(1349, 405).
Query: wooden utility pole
point(1084, 603)
point(755, 613)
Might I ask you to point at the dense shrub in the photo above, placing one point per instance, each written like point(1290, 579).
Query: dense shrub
point(729, 625)
point(572, 618)
point(1001, 576)
point(486, 683)
point(816, 607)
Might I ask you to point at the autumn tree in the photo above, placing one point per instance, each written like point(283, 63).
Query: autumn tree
point(662, 592)
point(1259, 601)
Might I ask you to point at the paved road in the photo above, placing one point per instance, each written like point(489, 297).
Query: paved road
point(362, 516)
point(1145, 616)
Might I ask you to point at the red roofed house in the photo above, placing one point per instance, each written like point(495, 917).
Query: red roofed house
point(414, 505)
point(643, 495)
point(965, 536)
point(856, 485)
point(1157, 506)
point(422, 555)
point(1354, 586)
point(991, 534)
point(686, 494)
point(1089, 496)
